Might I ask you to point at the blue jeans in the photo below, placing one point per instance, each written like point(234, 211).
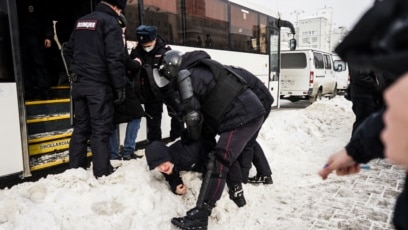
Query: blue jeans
point(129, 145)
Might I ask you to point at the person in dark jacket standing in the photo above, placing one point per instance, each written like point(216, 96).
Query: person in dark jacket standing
point(129, 111)
point(36, 33)
point(96, 58)
point(365, 94)
point(375, 43)
point(211, 96)
point(149, 50)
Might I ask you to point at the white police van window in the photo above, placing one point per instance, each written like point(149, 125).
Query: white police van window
point(327, 62)
point(293, 61)
point(318, 60)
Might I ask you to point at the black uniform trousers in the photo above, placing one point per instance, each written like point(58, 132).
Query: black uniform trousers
point(154, 110)
point(154, 132)
point(228, 148)
point(93, 111)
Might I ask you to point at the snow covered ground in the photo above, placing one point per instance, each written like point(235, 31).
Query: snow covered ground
point(297, 143)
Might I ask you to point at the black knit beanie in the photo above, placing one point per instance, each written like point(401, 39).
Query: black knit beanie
point(156, 153)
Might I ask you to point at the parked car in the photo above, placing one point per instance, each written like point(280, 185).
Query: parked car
point(307, 74)
point(341, 73)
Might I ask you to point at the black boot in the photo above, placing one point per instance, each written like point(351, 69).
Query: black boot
point(259, 179)
point(236, 194)
point(196, 218)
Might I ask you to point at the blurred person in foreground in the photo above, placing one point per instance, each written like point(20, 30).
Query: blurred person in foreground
point(379, 42)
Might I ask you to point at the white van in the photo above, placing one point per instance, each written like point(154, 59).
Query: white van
point(307, 74)
point(341, 73)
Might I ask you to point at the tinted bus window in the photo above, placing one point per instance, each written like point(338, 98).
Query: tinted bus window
point(207, 24)
point(318, 60)
point(132, 20)
point(165, 15)
point(293, 61)
point(6, 65)
point(263, 21)
point(244, 29)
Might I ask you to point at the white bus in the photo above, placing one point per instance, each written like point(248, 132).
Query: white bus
point(35, 134)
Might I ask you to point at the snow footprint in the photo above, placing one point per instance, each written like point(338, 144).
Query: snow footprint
point(107, 208)
point(37, 192)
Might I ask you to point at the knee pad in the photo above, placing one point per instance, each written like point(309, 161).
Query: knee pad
point(219, 170)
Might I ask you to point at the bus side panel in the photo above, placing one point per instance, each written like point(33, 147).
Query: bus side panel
point(11, 156)
point(257, 64)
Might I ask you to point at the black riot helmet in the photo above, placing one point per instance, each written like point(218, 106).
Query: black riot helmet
point(170, 63)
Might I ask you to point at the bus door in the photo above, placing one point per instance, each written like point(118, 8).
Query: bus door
point(274, 63)
point(12, 115)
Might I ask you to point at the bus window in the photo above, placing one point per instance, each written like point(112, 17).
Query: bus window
point(6, 67)
point(263, 21)
point(132, 20)
point(207, 24)
point(244, 29)
point(165, 16)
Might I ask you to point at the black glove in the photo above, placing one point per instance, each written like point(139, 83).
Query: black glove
point(120, 96)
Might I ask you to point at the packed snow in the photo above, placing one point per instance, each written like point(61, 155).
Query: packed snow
point(297, 142)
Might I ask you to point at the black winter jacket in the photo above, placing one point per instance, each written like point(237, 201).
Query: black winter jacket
point(95, 48)
point(363, 84)
point(141, 81)
point(131, 108)
point(256, 85)
point(245, 108)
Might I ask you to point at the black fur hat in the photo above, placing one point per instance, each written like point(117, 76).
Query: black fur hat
point(379, 39)
point(119, 3)
point(146, 34)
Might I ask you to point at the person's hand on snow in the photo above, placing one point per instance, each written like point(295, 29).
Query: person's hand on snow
point(340, 162)
point(181, 189)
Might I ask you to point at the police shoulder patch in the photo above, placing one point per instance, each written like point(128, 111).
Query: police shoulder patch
point(86, 25)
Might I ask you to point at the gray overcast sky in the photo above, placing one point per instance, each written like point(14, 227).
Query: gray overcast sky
point(345, 12)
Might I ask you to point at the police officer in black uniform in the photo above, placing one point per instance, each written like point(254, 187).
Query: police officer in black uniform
point(211, 96)
point(149, 50)
point(96, 58)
